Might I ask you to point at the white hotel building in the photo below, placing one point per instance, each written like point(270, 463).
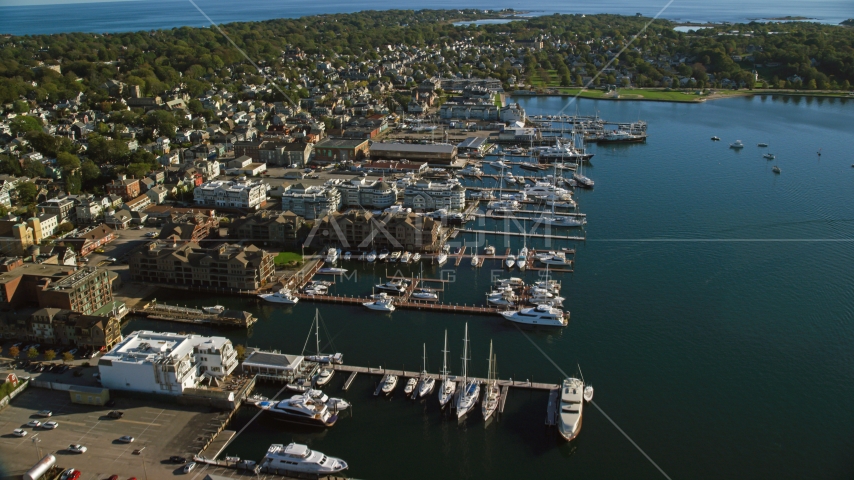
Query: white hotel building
point(429, 196)
point(240, 193)
point(166, 363)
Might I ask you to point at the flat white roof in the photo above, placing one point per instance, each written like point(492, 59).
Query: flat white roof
point(147, 346)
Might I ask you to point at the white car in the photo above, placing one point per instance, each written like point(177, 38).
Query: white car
point(19, 432)
point(49, 425)
point(77, 449)
point(189, 467)
point(44, 413)
point(34, 424)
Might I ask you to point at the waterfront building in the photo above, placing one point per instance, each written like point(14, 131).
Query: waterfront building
point(311, 202)
point(334, 150)
point(228, 266)
point(166, 363)
point(375, 195)
point(241, 193)
point(431, 153)
point(191, 227)
point(84, 290)
point(429, 196)
point(278, 228)
point(360, 229)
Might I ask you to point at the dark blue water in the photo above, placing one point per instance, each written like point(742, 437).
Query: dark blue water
point(22, 17)
point(712, 308)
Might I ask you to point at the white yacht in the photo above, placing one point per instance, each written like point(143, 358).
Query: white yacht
point(510, 261)
point(449, 387)
point(315, 289)
point(562, 221)
point(469, 395)
point(389, 383)
point(324, 376)
point(510, 282)
point(422, 294)
point(382, 255)
point(571, 396)
point(544, 315)
point(332, 255)
point(301, 409)
point(492, 392)
point(489, 250)
point(471, 170)
point(395, 256)
point(405, 257)
point(475, 259)
point(334, 358)
point(769, 156)
point(394, 286)
point(282, 296)
point(409, 388)
point(503, 205)
point(299, 458)
point(332, 271)
point(384, 305)
point(557, 259)
point(582, 181)
point(416, 257)
point(216, 309)
point(371, 257)
point(426, 381)
point(504, 296)
point(441, 258)
point(736, 145)
point(347, 256)
point(522, 259)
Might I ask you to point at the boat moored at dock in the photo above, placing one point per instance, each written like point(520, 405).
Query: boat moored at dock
point(299, 458)
point(571, 396)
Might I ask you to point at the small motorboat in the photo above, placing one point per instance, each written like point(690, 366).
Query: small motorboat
point(389, 382)
point(216, 309)
point(416, 257)
point(409, 389)
point(510, 261)
point(324, 376)
point(716, 139)
point(588, 393)
point(423, 294)
point(489, 250)
point(385, 305)
point(762, 145)
point(769, 156)
point(332, 270)
point(299, 386)
point(371, 257)
point(347, 256)
point(736, 145)
point(775, 169)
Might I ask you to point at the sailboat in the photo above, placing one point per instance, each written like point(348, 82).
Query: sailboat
point(468, 396)
point(522, 259)
point(561, 220)
point(326, 372)
point(493, 392)
point(449, 387)
point(475, 260)
point(427, 382)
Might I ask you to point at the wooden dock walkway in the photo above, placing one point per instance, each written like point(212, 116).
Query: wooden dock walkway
point(529, 235)
point(402, 302)
point(349, 381)
point(552, 410)
point(415, 374)
point(505, 389)
point(459, 256)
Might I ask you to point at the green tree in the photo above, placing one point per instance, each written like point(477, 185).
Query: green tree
point(33, 168)
point(67, 161)
point(27, 193)
point(9, 165)
point(49, 355)
point(64, 227)
point(67, 357)
point(811, 85)
point(14, 352)
point(23, 124)
point(32, 353)
point(89, 170)
point(240, 350)
point(138, 170)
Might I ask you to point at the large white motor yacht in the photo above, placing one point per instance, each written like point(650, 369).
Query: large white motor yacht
point(301, 409)
point(571, 403)
point(282, 296)
point(395, 286)
point(540, 315)
point(381, 305)
point(299, 458)
point(332, 255)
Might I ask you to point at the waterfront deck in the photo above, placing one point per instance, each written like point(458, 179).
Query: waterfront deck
point(172, 313)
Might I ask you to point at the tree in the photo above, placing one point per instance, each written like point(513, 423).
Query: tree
point(14, 352)
point(811, 85)
point(138, 170)
point(33, 168)
point(67, 161)
point(67, 357)
point(241, 352)
point(64, 227)
point(49, 355)
point(32, 353)
point(89, 170)
point(27, 193)
point(9, 165)
point(24, 124)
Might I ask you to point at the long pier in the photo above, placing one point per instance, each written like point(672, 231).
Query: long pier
point(529, 235)
point(171, 313)
point(416, 374)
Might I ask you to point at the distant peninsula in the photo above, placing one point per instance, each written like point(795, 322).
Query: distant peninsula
point(848, 23)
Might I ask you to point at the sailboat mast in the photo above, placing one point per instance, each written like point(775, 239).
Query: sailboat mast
point(489, 373)
point(445, 359)
point(317, 329)
point(465, 353)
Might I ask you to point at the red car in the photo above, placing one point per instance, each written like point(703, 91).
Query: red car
point(74, 476)
point(114, 477)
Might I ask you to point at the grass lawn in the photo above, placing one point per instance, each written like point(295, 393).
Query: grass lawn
point(284, 258)
point(498, 101)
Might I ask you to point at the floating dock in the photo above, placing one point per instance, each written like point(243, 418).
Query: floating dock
point(172, 313)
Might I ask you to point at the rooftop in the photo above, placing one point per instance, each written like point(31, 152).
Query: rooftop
point(412, 148)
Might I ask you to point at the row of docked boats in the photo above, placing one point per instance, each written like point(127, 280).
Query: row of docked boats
point(333, 254)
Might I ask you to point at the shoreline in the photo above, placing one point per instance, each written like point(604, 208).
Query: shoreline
point(699, 99)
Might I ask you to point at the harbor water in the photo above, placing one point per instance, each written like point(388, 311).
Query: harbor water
point(711, 308)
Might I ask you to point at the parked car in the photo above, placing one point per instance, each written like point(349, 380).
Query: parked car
point(66, 474)
point(189, 467)
point(115, 414)
point(72, 351)
point(34, 424)
point(126, 439)
point(77, 448)
point(75, 475)
point(44, 413)
point(19, 432)
point(114, 477)
point(50, 425)
point(177, 459)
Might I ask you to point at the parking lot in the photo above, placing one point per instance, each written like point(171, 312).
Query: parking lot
point(160, 430)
